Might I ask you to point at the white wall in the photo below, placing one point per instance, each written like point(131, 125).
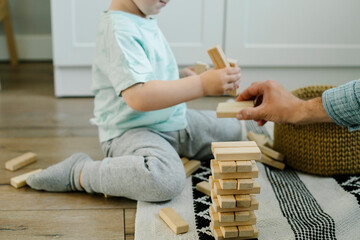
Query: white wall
point(31, 22)
point(32, 27)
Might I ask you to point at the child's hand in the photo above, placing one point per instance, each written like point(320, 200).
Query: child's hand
point(217, 82)
point(187, 72)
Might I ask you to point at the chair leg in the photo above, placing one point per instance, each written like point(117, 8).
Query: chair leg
point(10, 38)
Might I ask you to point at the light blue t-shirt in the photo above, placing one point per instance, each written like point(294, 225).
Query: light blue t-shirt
point(130, 50)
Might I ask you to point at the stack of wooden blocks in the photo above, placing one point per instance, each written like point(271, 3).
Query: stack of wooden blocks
point(233, 188)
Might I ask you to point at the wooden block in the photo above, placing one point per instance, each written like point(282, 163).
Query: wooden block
point(272, 153)
point(243, 201)
point(219, 236)
point(232, 144)
point(215, 219)
point(260, 139)
point(213, 195)
point(184, 160)
point(242, 216)
point(204, 187)
point(233, 92)
point(245, 184)
point(243, 166)
point(21, 161)
point(216, 174)
point(20, 181)
point(254, 205)
point(226, 201)
point(226, 216)
point(191, 167)
point(200, 67)
point(219, 191)
point(228, 183)
point(271, 162)
point(218, 58)
point(233, 62)
point(173, 220)
point(228, 166)
point(230, 109)
point(229, 232)
point(211, 181)
point(231, 154)
point(246, 231)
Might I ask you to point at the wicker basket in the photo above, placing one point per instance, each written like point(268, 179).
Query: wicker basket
point(322, 148)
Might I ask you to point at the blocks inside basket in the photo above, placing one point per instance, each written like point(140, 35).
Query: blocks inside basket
point(233, 190)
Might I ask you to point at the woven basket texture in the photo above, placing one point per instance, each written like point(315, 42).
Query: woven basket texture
point(323, 148)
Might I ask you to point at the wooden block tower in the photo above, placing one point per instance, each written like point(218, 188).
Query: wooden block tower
point(233, 190)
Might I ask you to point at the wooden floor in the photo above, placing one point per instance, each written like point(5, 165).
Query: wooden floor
point(32, 119)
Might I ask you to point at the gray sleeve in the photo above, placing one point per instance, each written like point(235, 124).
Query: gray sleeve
point(342, 104)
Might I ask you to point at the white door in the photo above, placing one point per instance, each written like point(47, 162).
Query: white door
point(293, 33)
point(191, 27)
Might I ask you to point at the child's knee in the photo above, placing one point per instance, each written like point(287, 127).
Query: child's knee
point(171, 187)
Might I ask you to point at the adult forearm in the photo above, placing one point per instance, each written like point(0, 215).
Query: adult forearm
point(311, 111)
point(157, 94)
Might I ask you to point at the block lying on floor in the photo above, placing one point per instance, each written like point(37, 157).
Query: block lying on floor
point(260, 139)
point(204, 187)
point(20, 181)
point(174, 220)
point(271, 162)
point(21, 161)
point(272, 153)
point(191, 167)
point(184, 160)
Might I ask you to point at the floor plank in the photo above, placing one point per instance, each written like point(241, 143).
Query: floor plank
point(33, 119)
point(129, 237)
point(130, 221)
point(12, 199)
point(62, 224)
point(49, 150)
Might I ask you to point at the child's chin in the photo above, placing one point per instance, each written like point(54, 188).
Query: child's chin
point(155, 12)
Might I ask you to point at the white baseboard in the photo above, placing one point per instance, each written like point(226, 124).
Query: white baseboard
point(72, 81)
point(29, 47)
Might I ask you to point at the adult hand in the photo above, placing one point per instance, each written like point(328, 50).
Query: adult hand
point(279, 105)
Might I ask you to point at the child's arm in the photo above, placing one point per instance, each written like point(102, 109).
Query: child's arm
point(157, 94)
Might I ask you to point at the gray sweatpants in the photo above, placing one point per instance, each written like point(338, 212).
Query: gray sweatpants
point(144, 164)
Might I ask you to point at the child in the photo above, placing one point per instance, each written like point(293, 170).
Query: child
point(140, 112)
